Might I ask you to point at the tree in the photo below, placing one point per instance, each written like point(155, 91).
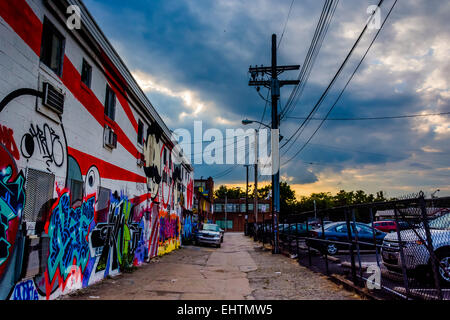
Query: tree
point(288, 199)
point(231, 193)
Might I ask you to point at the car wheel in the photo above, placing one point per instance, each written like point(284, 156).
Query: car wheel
point(332, 249)
point(218, 246)
point(444, 268)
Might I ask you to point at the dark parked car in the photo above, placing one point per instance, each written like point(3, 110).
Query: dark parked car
point(297, 229)
point(337, 231)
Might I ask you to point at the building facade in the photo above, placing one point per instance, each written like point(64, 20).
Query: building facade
point(204, 199)
point(91, 182)
point(232, 216)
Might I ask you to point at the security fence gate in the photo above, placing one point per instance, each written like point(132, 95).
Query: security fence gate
point(398, 248)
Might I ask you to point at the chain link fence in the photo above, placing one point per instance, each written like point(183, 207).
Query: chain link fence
point(395, 249)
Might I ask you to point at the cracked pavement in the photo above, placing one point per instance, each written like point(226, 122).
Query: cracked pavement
point(240, 270)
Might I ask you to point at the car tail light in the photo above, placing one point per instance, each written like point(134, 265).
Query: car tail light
point(314, 234)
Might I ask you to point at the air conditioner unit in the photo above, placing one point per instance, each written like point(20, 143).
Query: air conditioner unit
point(110, 138)
point(52, 98)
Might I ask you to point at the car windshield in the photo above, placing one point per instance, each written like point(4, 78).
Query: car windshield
point(441, 223)
point(211, 227)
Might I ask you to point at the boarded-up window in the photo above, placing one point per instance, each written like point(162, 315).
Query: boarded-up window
point(104, 199)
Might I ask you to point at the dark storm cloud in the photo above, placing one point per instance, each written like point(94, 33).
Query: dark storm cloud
point(204, 48)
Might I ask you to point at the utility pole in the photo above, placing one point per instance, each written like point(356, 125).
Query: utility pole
point(274, 84)
point(246, 204)
point(226, 219)
point(255, 192)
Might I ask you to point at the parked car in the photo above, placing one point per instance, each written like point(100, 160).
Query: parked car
point(417, 256)
point(337, 231)
point(298, 229)
point(209, 234)
point(389, 226)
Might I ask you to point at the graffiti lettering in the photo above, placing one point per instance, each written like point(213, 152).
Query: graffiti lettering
point(25, 291)
point(50, 146)
point(7, 139)
point(68, 230)
point(188, 227)
point(119, 237)
point(12, 199)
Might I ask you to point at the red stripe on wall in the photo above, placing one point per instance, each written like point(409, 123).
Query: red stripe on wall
point(138, 200)
point(105, 169)
point(19, 15)
point(27, 25)
point(72, 80)
point(125, 106)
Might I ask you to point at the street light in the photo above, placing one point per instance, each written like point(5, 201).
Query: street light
point(432, 195)
point(247, 122)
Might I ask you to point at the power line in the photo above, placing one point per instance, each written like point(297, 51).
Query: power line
point(325, 93)
point(348, 82)
point(375, 118)
point(265, 109)
point(285, 25)
point(313, 51)
point(326, 16)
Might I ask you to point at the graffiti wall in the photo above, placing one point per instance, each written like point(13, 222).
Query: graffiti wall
point(74, 207)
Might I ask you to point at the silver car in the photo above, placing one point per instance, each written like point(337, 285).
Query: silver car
point(210, 234)
point(417, 256)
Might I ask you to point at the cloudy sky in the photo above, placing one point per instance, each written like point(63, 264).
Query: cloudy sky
point(191, 57)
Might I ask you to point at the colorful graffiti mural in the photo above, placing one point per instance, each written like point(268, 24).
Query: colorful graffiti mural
point(189, 226)
point(68, 230)
point(70, 213)
point(169, 233)
point(115, 241)
point(12, 199)
point(7, 140)
point(25, 291)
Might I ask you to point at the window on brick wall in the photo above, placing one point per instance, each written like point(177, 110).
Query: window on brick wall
point(52, 48)
point(86, 73)
point(110, 103)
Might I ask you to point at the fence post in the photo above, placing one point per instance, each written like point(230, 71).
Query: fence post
point(402, 254)
point(264, 231)
point(307, 243)
point(374, 236)
point(296, 238)
point(430, 247)
point(326, 250)
point(350, 240)
point(289, 235)
point(357, 244)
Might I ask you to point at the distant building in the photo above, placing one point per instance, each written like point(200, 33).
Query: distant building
point(204, 199)
point(235, 213)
